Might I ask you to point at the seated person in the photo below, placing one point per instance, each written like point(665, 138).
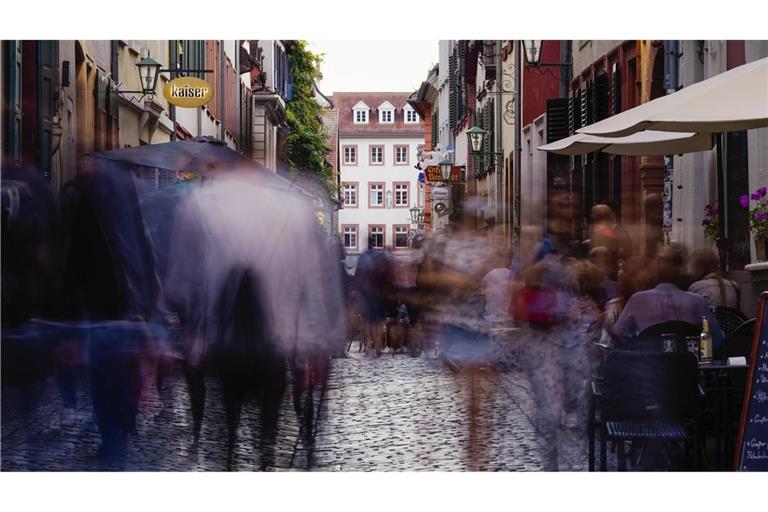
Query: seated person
point(664, 302)
point(601, 257)
point(710, 284)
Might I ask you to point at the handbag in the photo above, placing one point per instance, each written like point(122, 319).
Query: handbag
point(536, 305)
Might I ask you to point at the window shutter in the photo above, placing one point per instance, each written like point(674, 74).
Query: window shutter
point(435, 131)
point(12, 130)
point(602, 99)
point(452, 84)
point(47, 63)
point(460, 81)
point(558, 119)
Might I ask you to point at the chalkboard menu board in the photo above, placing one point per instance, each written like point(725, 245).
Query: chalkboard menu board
point(752, 447)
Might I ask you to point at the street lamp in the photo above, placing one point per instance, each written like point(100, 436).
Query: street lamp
point(532, 49)
point(415, 214)
point(445, 169)
point(149, 70)
point(476, 136)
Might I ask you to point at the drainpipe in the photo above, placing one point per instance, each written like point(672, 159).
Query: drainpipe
point(499, 163)
point(223, 89)
point(518, 147)
point(238, 101)
point(671, 79)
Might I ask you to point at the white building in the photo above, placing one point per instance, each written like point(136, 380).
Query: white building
point(378, 138)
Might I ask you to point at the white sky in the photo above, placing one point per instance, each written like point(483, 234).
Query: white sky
point(371, 66)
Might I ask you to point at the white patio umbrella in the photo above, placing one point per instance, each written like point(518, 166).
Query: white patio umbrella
point(731, 101)
point(645, 143)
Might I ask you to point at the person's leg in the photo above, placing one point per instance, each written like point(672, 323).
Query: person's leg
point(573, 441)
point(540, 360)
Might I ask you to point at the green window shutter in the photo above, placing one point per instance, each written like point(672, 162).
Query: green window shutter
point(435, 130)
point(452, 85)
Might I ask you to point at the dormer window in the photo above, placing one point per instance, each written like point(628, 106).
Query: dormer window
point(360, 113)
point(386, 113)
point(410, 115)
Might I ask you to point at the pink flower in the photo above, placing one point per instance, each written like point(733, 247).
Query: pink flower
point(762, 191)
point(744, 200)
point(761, 216)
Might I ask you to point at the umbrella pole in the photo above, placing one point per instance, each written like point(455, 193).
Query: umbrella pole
point(722, 241)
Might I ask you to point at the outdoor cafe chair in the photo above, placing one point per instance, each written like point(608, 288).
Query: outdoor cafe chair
point(728, 318)
point(649, 396)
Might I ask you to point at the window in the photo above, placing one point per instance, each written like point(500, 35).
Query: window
point(376, 236)
point(377, 155)
point(401, 195)
point(386, 113)
point(350, 155)
point(401, 155)
point(350, 236)
point(360, 113)
point(401, 236)
point(376, 195)
point(350, 195)
point(410, 115)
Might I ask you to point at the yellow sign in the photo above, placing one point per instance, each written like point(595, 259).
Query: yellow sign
point(188, 92)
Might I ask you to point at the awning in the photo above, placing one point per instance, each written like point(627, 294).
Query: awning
point(731, 101)
point(645, 143)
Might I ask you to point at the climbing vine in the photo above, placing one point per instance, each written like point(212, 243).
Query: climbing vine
point(305, 146)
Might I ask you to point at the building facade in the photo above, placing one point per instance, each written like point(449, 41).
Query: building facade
point(62, 100)
point(379, 136)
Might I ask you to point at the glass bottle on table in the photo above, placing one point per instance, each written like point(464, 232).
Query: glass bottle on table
point(705, 342)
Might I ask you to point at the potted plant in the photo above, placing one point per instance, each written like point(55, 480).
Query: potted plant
point(711, 221)
point(758, 219)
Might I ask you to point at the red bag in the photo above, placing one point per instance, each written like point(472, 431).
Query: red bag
point(536, 305)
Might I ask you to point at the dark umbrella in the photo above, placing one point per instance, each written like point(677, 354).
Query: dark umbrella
point(199, 154)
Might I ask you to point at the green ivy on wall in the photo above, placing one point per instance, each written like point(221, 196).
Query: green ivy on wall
point(305, 145)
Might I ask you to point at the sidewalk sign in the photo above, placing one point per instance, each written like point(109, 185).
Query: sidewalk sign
point(752, 441)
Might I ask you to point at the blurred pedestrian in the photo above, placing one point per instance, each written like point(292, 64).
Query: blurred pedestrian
point(374, 278)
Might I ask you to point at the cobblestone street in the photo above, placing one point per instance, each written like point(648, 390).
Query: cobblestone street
point(385, 414)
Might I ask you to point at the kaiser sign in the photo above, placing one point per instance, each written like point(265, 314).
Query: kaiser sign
point(188, 91)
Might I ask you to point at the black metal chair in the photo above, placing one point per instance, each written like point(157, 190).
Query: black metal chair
point(739, 341)
point(650, 338)
point(728, 318)
point(649, 396)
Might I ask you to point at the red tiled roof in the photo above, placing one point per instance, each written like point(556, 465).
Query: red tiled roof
point(344, 101)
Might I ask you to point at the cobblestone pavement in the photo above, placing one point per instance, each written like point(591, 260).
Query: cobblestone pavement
point(393, 413)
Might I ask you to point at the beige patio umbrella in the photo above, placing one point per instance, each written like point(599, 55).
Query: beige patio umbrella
point(731, 101)
point(645, 143)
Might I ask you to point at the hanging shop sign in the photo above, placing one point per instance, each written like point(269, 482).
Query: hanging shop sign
point(439, 192)
point(188, 92)
point(434, 174)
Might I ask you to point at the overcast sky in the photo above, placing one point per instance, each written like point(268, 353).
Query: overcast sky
point(374, 65)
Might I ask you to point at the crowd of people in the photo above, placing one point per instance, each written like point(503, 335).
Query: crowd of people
point(256, 302)
point(542, 309)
